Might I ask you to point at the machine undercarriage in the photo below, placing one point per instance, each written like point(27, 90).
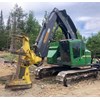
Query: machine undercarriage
point(66, 75)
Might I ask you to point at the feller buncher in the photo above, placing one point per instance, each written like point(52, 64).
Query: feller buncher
point(68, 59)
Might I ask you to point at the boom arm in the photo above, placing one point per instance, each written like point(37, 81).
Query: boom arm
point(65, 23)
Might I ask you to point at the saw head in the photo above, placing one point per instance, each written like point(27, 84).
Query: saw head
point(18, 84)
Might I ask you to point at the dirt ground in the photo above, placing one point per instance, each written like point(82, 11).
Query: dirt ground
point(48, 87)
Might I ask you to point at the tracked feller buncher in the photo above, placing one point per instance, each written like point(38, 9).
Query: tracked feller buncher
point(68, 58)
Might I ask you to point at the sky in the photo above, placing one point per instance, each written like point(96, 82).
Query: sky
point(85, 15)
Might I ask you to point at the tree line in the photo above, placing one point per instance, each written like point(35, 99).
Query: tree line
point(20, 22)
point(93, 44)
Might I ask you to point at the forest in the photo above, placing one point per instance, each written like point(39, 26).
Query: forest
point(19, 22)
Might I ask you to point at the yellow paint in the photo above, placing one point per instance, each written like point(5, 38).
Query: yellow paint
point(46, 36)
point(26, 76)
point(29, 56)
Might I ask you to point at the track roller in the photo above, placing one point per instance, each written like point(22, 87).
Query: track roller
point(73, 76)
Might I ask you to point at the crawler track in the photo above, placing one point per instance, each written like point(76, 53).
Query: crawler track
point(50, 70)
point(66, 75)
point(70, 77)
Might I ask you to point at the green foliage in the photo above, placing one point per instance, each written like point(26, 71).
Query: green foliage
point(32, 27)
point(3, 35)
point(8, 33)
point(17, 19)
point(9, 57)
point(1, 23)
point(8, 27)
point(79, 35)
point(93, 43)
point(58, 35)
point(15, 24)
point(18, 22)
point(3, 41)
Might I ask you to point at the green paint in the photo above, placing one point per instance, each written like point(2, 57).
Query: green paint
point(69, 52)
point(53, 52)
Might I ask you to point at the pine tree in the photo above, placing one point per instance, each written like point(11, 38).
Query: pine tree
point(17, 23)
point(2, 33)
point(1, 23)
point(8, 27)
point(8, 32)
point(17, 19)
point(32, 27)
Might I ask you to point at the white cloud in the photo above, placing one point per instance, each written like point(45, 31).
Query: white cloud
point(83, 18)
point(88, 25)
point(92, 24)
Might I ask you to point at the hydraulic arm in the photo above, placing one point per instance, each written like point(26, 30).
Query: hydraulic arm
point(63, 21)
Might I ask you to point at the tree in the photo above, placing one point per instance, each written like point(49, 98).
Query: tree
point(8, 32)
point(3, 36)
point(1, 22)
point(58, 35)
point(93, 43)
point(18, 19)
point(79, 35)
point(32, 27)
point(17, 23)
point(8, 27)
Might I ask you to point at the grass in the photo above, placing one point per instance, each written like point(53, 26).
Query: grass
point(8, 56)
